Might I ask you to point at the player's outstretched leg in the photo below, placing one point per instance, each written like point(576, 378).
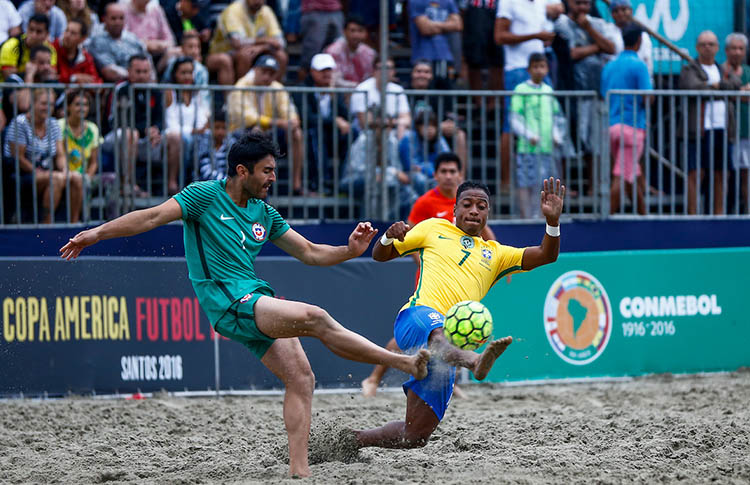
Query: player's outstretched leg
point(478, 364)
point(285, 319)
point(414, 432)
point(371, 383)
point(287, 360)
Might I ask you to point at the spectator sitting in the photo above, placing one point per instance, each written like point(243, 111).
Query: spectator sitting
point(627, 118)
point(143, 143)
point(80, 137)
point(429, 22)
point(422, 79)
point(532, 118)
point(148, 22)
point(622, 14)
point(268, 110)
point(213, 150)
point(324, 111)
point(79, 9)
point(186, 118)
point(113, 47)
point(245, 30)
point(57, 20)
point(370, 12)
point(419, 149)
point(10, 21)
point(396, 106)
point(321, 22)
point(191, 47)
point(16, 51)
point(735, 46)
point(479, 46)
point(354, 58)
point(74, 63)
point(39, 69)
point(38, 148)
point(716, 118)
point(364, 159)
point(187, 16)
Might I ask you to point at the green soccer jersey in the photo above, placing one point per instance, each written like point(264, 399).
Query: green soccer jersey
point(221, 243)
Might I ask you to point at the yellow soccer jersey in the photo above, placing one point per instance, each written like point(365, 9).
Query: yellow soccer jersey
point(453, 265)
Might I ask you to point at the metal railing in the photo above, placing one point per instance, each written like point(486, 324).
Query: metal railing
point(318, 175)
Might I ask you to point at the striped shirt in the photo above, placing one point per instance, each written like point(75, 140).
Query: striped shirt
point(39, 151)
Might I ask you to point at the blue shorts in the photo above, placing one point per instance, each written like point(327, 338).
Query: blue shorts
point(412, 330)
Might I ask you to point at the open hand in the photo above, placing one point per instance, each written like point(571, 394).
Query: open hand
point(553, 196)
point(76, 244)
point(398, 230)
point(361, 237)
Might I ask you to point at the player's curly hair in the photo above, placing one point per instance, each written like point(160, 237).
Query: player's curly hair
point(249, 150)
point(468, 185)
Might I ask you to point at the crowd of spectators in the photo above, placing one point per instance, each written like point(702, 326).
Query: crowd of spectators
point(531, 47)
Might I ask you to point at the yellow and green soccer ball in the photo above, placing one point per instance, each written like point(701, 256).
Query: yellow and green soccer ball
point(468, 325)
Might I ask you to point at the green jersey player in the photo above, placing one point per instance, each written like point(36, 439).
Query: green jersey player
point(225, 225)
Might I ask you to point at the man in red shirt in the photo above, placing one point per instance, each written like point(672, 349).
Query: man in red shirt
point(74, 63)
point(437, 202)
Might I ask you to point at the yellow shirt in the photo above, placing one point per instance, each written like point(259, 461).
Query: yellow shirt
point(11, 50)
point(453, 265)
point(236, 19)
point(246, 109)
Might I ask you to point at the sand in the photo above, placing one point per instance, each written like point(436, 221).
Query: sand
point(654, 429)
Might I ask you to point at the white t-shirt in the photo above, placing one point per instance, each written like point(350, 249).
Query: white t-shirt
point(9, 18)
point(715, 117)
point(395, 103)
point(526, 17)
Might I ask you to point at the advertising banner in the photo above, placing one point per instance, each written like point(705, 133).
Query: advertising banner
point(680, 21)
point(624, 314)
point(121, 325)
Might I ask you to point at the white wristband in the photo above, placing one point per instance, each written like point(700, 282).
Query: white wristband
point(386, 241)
point(553, 231)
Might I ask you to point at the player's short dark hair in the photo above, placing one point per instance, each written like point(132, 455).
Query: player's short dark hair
point(79, 21)
point(468, 185)
point(355, 19)
point(631, 32)
point(136, 57)
point(447, 157)
point(40, 18)
point(251, 148)
point(37, 49)
point(537, 57)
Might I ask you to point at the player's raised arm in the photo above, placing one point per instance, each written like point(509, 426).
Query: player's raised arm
point(129, 224)
point(553, 196)
point(384, 250)
point(296, 245)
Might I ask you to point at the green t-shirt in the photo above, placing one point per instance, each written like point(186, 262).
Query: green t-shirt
point(744, 108)
point(221, 243)
point(536, 112)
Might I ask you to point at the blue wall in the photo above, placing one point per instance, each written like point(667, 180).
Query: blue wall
point(576, 236)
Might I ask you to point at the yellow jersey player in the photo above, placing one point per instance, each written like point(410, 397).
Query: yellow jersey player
point(456, 264)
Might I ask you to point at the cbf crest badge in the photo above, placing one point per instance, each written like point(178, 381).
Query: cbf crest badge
point(259, 232)
point(467, 242)
point(487, 254)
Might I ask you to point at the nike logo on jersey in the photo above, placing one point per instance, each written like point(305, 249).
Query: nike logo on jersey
point(442, 214)
point(226, 218)
point(440, 236)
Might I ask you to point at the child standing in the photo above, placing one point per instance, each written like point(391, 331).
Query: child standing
point(532, 112)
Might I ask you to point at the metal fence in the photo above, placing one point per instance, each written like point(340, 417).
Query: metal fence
point(363, 165)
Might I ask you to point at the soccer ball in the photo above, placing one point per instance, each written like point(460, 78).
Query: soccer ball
point(468, 325)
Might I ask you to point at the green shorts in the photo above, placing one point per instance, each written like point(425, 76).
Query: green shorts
point(238, 324)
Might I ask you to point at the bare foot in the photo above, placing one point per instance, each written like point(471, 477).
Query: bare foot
point(488, 357)
point(419, 362)
point(369, 387)
point(459, 393)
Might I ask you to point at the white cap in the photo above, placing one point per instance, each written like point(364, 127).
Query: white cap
point(321, 62)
